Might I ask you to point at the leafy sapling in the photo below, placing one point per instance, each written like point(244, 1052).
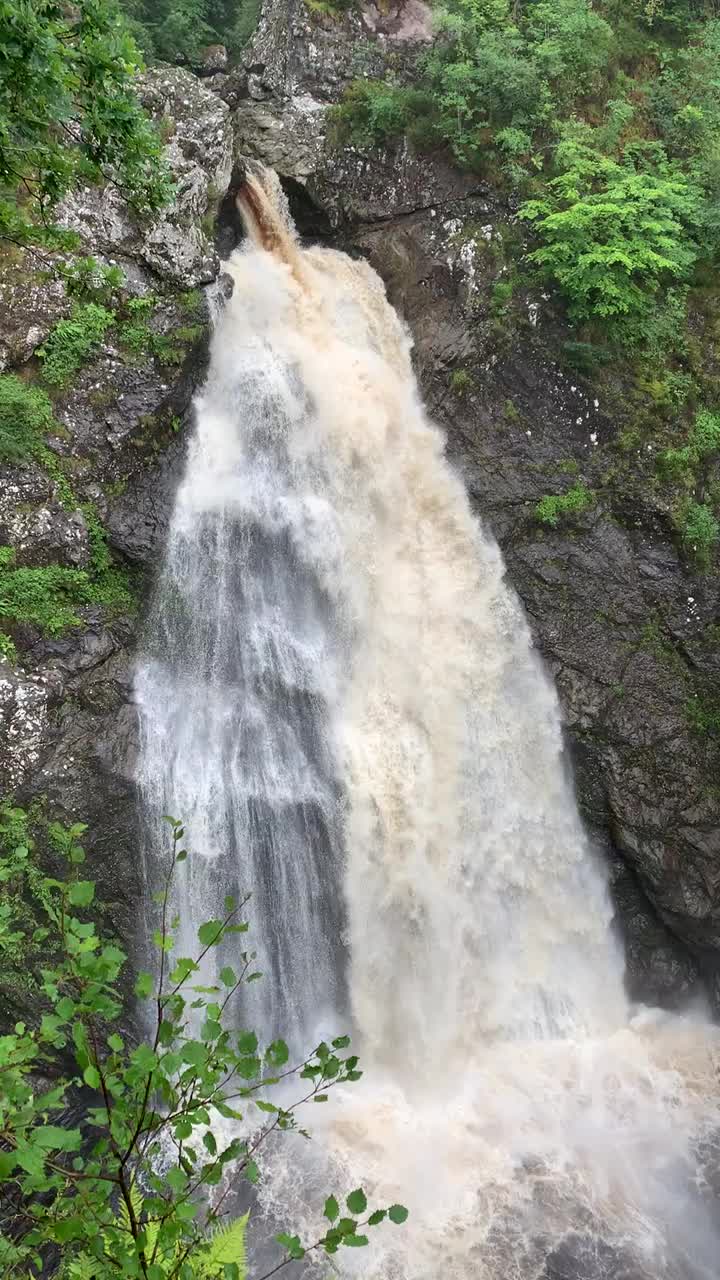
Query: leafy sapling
point(138, 1185)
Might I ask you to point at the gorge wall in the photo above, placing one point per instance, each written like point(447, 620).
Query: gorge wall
point(627, 626)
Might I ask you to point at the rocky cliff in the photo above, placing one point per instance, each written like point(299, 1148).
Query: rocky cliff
point(626, 621)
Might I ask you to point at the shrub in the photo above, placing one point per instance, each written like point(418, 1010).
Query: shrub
point(72, 342)
point(703, 440)
point(553, 508)
point(498, 86)
point(571, 44)
point(50, 597)
point(699, 529)
point(7, 648)
point(612, 235)
point(25, 417)
point(371, 112)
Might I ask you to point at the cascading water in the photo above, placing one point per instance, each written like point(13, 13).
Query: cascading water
point(340, 698)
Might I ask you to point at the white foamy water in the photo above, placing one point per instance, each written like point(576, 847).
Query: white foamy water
point(340, 698)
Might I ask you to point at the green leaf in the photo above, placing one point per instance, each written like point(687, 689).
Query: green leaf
point(247, 1042)
point(357, 1242)
point(176, 1179)
point(210, 932)
point(356, 1201)
point(144, 1058)
point(377, 1217)
point(397, 1213)
point(8, 1162)
point(278, 1053)
point(292, 1244)
point(266, 1106)
point(52, 1138)
point(252, 1173)
point(341, 1042)
point(116, 1043)
point(91, 1076)
point(229, 904)
point(248, 1068)
point(82, 893)
point(228, 977)
point(332, 1209)
point(209, 1143)
point(144, 985)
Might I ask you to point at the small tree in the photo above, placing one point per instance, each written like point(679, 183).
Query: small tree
point(138, 1185)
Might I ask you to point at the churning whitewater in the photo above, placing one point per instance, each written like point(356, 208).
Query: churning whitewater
point(340, 698)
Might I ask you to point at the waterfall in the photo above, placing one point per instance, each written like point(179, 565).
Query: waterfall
point(340, 698)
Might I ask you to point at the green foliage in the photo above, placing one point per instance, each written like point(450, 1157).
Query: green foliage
point(461, 381)
point(375, 110)
point(68, 114)
point(91, 281)
point(179, 30)
point(51, 597)
point(23, 931)
point(704, 715)
point(25, 418)
point(699, 529)
point(611, 134)
point(73, 341)
point(612, 234)
point(7, 648)
point(135, 1199)
point(703, 441)
point(554, 508)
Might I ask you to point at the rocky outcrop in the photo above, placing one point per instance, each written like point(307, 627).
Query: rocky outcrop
point(626, 623)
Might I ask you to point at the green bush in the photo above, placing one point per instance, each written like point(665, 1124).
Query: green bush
point(26, 416)
point(571, 45)
point(371, 112)
point(554, 508)
point(703, 441)
point(7, 648)
point(612, 234)
point(50, 597)
point(699, 529)
point(74, 341)
point(178, 30)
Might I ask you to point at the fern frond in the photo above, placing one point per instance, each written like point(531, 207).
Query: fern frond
point(227, 1244)
point(82, 1268)
point(136, 1201)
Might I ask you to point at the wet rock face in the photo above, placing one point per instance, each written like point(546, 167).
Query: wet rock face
point(68, 724)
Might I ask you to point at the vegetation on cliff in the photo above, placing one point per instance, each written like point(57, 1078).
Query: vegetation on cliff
point(601, 122)
point(605, 117)
point(68, 114)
